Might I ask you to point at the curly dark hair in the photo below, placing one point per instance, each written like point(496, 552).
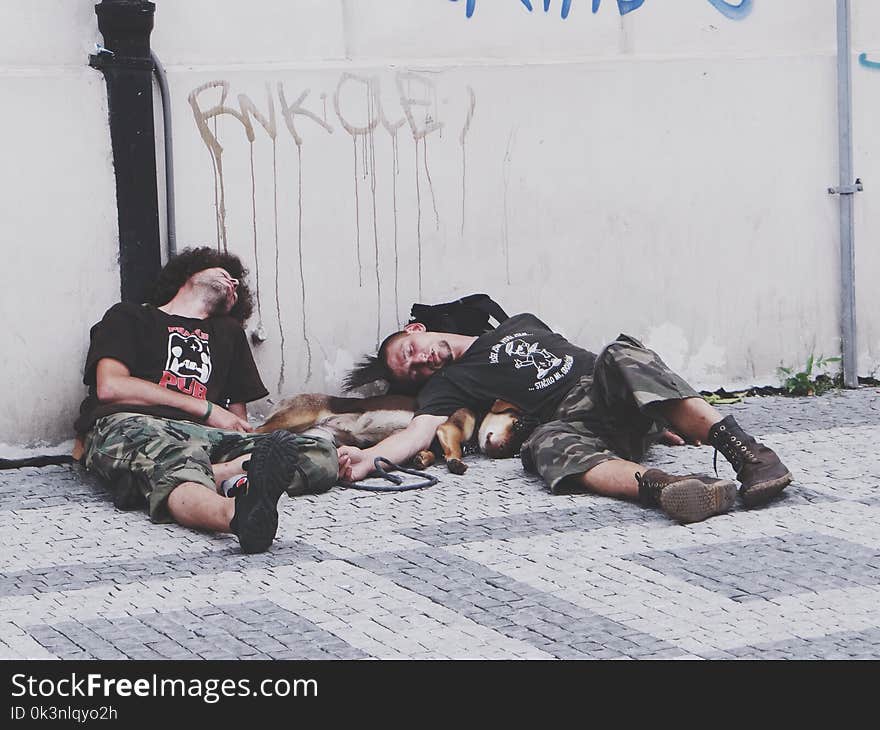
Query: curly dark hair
point(192, 260)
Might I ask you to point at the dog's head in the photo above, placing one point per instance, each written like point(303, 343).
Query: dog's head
point(503, 430)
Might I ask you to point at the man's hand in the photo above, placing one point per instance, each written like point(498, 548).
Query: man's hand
point(354, 463)
point(115, 384)
point(221, 418)
point(670, 438)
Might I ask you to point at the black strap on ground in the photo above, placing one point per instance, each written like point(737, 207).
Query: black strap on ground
point(36, 461)
point(397, 484)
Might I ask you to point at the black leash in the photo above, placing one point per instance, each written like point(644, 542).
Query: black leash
point(399, 486)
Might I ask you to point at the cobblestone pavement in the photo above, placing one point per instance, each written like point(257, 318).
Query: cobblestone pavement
point(488, 565)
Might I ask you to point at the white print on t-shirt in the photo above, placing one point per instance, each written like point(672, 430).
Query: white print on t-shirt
point(523, 353)
point(189, 355)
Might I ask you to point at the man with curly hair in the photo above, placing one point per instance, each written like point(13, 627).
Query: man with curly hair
point(165, 422)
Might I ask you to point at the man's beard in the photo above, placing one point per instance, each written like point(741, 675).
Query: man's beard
point(444, 352)
point(220, 307)
point(215, 293)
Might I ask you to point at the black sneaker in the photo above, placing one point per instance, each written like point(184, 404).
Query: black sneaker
point(272, 466)
point(760, 471)
point(688, 498)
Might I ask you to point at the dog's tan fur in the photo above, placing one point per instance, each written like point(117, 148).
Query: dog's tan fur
point(358, 422)
point(364, 422)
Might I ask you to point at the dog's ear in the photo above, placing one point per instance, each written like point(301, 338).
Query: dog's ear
point(502, 406)
point(369, 370)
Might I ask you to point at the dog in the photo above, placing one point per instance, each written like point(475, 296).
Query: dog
point(364, 422)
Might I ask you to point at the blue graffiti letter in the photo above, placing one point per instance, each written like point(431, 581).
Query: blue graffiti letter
point(624, 6)
point(868, 63)
point(566, 6)
point(469, 10)
point(627, 6)
point(734, 12)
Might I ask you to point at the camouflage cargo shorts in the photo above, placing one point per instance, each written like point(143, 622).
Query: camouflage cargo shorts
point(606, 415)
point(144, 458)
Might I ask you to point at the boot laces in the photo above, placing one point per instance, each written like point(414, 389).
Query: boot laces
point(734, 450)
point(646, 483)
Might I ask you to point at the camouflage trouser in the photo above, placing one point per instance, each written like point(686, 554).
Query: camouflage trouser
point(606, 415)
point(143, 458)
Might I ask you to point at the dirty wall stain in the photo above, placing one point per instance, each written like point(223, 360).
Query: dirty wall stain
point(419, 111)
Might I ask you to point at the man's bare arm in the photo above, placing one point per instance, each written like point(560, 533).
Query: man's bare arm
point(115, 384)
point(355, 463)
point(238, 409)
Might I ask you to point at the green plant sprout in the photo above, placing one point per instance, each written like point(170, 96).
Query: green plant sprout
point(803, 382)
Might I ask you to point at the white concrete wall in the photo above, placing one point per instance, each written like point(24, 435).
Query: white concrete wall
point(662, 173)
point(58, 227)
point(866, 109)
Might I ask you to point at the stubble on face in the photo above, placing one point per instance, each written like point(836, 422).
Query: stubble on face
point(214, 289)
point(444, 354)
point(437, 356)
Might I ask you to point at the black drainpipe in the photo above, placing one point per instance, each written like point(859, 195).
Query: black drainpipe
point(127, 66)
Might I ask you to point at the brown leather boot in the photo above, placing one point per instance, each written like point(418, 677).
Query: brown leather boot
point(688, 498)
point(758, 468)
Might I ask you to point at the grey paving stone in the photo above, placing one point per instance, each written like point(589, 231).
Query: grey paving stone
point(808, 561)
point(582, 519)
point(842, 645)
point(22, 489)
point(526, 623)
point(778, 414)
point(72, 639)
point(169, 566)
point(788, 565)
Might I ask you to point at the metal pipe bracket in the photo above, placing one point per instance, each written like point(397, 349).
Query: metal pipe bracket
point(856, 187)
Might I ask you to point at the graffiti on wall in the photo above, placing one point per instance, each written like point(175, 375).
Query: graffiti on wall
point(405, 114)
point(361, 112)
point(732, 10)
point(866, 62)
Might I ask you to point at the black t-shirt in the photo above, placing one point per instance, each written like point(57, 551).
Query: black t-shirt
point(209, 359)
point(523, 362)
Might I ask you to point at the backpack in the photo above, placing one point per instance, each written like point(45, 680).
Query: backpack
point(466, 316)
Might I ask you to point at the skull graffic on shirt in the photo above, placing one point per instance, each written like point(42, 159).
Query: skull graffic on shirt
point(527, 355)
point(188, 357)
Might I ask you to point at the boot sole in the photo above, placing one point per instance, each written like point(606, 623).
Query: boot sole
point(271, 467)
point(759, 494)
point(690, 500)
